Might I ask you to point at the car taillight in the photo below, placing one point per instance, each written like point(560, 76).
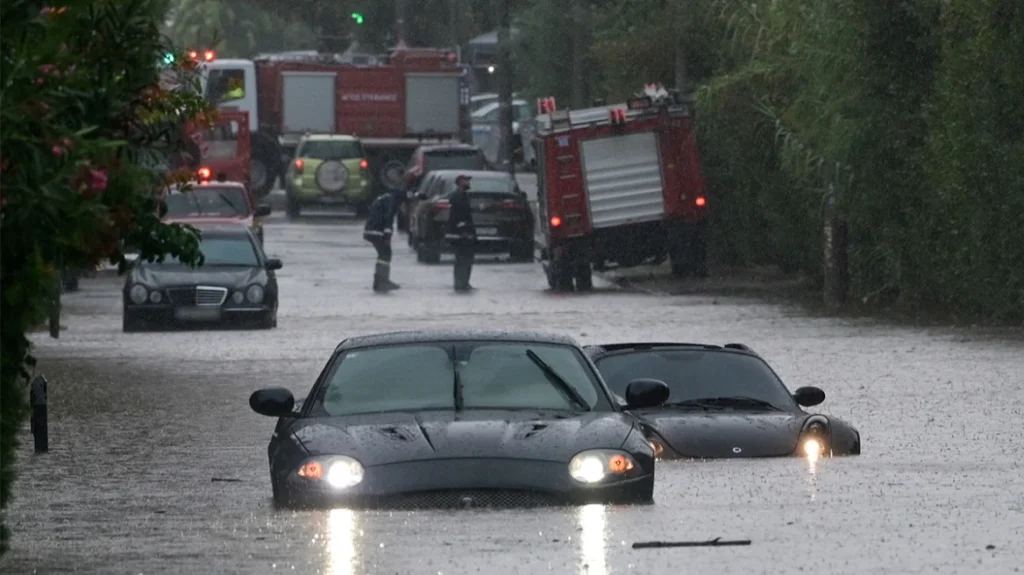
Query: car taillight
point(701, 201)
point(298, 166)
point(364, 164)
point(556, 221)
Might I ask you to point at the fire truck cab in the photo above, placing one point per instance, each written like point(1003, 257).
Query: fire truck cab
point(619, 185)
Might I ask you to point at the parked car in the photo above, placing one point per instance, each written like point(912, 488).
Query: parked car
point(329, 170)
point(724, 402)
point(217, 202)
point(235, 285)
point(425, 159)
point(501, 213)
point(458, 419)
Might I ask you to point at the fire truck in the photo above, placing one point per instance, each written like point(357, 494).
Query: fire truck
point(224, 148)
point(393, 104)
point(619, 185)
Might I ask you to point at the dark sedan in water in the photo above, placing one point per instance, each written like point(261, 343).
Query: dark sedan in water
point(725, 402)
point(501, 213)
point(235, 285)
point(476, 418)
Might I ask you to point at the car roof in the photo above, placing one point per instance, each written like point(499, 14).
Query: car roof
point(481, 174)
point(330, 138)
point(451, 146)
point(627, 347)
point(453, 335)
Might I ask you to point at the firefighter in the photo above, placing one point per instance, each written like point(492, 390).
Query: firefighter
point(461, 232)
point(378, 230)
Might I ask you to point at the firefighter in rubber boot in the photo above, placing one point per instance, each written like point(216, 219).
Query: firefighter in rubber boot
point(378, 231)
point(461, 232)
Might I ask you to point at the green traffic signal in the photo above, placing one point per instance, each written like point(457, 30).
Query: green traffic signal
point(357, 17)
point(169, 58)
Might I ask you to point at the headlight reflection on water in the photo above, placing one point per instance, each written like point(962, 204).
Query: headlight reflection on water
point(342, 529)
point(593, 547)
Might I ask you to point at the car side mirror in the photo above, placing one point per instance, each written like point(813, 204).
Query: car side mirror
point(263, 210)
point(274, 264)
point(808, 396)
point(645, 393)
point(421, 195)
point(272, 402)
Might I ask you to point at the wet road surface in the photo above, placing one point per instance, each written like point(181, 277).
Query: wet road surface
point(143, 424)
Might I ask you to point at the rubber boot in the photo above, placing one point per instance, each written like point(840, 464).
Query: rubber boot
point(388, 284)
point(380, 275)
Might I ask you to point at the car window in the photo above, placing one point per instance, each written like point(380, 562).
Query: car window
point(223, 251)
point(454, 160)
point(696, 374)
point(394, 378)
point(490, 185)
point(330, 150)
point(422, 377)
point(503, 376)
point(426, 184)
point(225, 86)
point(438, 188)
point(524, 112)
point(207, 201)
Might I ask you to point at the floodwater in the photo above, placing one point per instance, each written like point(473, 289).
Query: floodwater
point(157, 464)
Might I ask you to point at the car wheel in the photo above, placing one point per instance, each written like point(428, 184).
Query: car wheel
point(521, 251)
point(132, 324)
point(584, 276)
point(561, 274)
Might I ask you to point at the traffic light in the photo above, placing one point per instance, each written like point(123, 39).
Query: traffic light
point(169, 58)
point(357, 17)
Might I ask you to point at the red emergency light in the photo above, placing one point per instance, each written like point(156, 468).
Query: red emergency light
point(556, 221)
point(209, 55)
point(546, 105)
point(617, 115)
point(701, 201)
point(193, 55)
point(204, 173)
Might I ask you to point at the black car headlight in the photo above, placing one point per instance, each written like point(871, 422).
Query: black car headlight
point(337, 471)
point(598, 465)
point(815, 437)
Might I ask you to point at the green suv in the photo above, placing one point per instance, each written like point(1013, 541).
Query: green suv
point(328, 170)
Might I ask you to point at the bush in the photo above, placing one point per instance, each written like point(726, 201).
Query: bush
point(82, 116)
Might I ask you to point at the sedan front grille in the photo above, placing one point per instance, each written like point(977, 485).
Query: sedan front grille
point(211, 296)
point(197, 296)
point(468, 499)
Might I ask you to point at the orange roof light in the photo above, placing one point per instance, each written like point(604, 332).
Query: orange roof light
point(312, 470)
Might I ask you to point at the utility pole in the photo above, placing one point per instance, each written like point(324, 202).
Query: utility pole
point(579, 55)
point(400, 28)
point(505, 84)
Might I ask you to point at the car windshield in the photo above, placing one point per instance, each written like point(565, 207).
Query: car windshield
point(697, 374)
point(453, 160)
point(331, 150)
point(492, 375)
point(223, 251)
point(206, 201)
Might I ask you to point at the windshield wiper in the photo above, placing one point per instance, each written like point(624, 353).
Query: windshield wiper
point(228, 202)
point(564, 387)
point(722, 402)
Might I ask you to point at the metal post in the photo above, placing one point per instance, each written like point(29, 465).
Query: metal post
point(40, 420)
point(504, 84)
point(836, 258)
point(55, 307)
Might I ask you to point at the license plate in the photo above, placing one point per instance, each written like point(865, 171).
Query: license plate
point(197, 313)
point(487, 231)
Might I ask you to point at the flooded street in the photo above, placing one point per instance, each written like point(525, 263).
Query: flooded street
point(157, 464)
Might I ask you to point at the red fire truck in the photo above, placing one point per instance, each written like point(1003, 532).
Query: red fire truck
point(393, 104)
point(619, 185)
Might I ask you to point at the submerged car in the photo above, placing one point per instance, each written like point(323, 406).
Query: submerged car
point(724, 402)
point(441, 419)
point(328, 170)
point(215, 203)
point(501, 214)
point(235, 285)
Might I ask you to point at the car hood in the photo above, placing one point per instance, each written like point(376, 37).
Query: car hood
point(720, 434)
point(380, 439)
point(177, 275)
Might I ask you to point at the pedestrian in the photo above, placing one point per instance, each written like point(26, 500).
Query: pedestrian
point(378, 231)
point(461, 232)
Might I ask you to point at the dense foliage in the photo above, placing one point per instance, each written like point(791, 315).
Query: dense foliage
point(906, 110)
point(83, 120)
point(236, 28)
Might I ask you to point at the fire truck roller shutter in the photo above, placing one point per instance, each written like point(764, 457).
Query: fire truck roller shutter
point(624, 179)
